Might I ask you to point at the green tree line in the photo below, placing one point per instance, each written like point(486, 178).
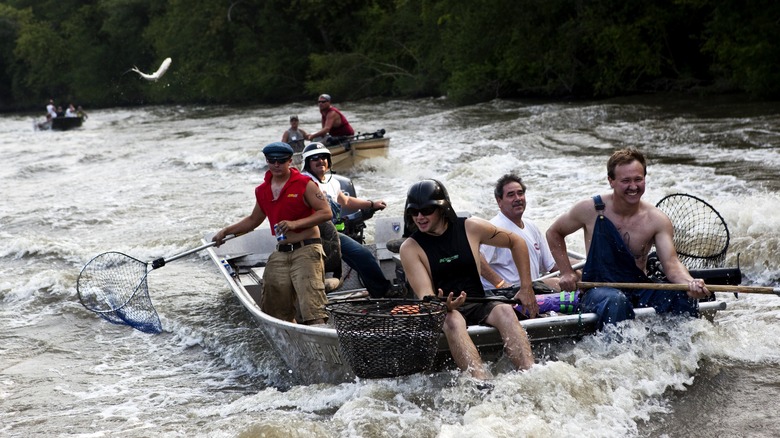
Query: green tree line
point(271, 51)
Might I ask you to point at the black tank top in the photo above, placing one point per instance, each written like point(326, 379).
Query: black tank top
point(453, 267)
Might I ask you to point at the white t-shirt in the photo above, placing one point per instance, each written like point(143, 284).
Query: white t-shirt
point(500, 259)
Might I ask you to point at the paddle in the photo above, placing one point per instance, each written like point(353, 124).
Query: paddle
point(113, 285)
point(681, 286)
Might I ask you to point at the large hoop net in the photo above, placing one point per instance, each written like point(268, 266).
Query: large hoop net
point(113, 285)
point(701, 236)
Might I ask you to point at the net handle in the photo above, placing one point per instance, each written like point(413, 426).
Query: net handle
point(159, 263)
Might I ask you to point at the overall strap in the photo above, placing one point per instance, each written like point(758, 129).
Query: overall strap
point(599, 204)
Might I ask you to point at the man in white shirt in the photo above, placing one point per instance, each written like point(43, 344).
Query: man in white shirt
point(496, 264)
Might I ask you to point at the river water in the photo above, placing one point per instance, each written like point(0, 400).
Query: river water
point(151, 181)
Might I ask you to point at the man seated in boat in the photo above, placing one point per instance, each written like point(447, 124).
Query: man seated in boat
point(295, 135)
point(334, 123)
point(619, 230)
point(293, 278)
point(316, 164)
point(496, 264)
point(440, 257)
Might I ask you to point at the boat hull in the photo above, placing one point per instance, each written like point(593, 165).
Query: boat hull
point(66, 123)
point(312, 353)
point(346, 155)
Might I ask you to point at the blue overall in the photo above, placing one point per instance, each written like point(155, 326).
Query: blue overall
point(610, 260)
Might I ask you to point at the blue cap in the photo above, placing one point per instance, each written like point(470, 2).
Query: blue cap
point(278, 150)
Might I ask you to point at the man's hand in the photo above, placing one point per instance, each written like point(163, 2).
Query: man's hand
point(528, 301)
point(453, 304)
point(568, 282)
point(697, 289)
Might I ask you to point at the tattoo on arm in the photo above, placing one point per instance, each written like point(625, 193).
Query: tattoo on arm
point(319, 196)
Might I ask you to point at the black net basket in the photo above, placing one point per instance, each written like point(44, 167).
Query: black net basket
point(388, 338)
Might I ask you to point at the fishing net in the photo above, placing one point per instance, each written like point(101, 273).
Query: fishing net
point(388, 338)
point(113, 285)
point(700, 233)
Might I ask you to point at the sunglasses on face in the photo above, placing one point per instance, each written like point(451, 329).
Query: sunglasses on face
point(277, 160)
point(321, 101)
point(318, 157)
point(426, 211)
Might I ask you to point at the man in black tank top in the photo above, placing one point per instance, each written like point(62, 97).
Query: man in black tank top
point(439, 258)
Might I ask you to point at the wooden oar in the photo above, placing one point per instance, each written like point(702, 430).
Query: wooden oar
point(682, 286)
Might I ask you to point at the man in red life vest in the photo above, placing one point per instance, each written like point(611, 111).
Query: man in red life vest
point(294, 287)
point(333, 121)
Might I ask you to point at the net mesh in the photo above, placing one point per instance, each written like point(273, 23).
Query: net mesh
point(113, 285)
point(388, 338)
point(701, 236)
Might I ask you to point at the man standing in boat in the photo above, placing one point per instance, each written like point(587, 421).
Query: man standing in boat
point(620, 229)
point(440, 257)
point(334, 123)
point(294, 287)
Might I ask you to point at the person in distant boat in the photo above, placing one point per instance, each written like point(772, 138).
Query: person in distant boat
point(51, 109)
point(81, 113)
point(317, 162)
point(334, 123)
point(496, 264)
point(293, 278)
point(71, 111)
point(620, 229)
point(440, 257)
point(294, 136)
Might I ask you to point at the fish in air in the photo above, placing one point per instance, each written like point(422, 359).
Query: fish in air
point(156, 75)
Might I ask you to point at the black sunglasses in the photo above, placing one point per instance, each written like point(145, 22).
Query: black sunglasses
point(426, 211)
point(318, 157)
point(277, 160)
point(321, 101)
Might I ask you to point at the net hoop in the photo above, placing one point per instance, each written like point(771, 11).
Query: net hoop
point(114, 286)
point(701, 236)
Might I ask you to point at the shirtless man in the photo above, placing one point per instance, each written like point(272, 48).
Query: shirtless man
point(620, 229)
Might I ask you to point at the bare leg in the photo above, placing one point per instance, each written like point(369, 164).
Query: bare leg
point(462, 348)
point(314, 321)
point(516, 344)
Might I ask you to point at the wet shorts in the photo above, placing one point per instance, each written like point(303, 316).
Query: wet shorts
point(476, 313)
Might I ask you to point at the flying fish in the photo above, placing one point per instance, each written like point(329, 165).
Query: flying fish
point(156, 75)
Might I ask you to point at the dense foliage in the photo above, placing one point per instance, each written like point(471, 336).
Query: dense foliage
point(242, 51)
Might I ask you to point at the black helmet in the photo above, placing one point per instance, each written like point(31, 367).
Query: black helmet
point(422, 194)
point(315, 149)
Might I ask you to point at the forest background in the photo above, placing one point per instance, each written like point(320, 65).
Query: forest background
point(274, 51)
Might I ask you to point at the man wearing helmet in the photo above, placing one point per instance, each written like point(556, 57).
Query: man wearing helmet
point(334, 123)
point(441, 257)
point(316, 164)
point(293, 278)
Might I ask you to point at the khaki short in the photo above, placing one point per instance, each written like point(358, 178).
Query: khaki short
point(294, 285)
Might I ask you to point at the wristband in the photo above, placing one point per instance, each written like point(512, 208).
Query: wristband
point(501, 284)
point(372, 204)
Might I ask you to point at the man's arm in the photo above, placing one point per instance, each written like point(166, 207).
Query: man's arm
point(358, 204)
point(674, 270)
point(245, 225)
point(315, 199)
point(566, 224)
point(415, 268)
point(489, 234)
point(489, 274)
point(330, 122)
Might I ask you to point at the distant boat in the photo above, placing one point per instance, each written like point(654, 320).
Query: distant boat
point(60, 123)
point(349, 150)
